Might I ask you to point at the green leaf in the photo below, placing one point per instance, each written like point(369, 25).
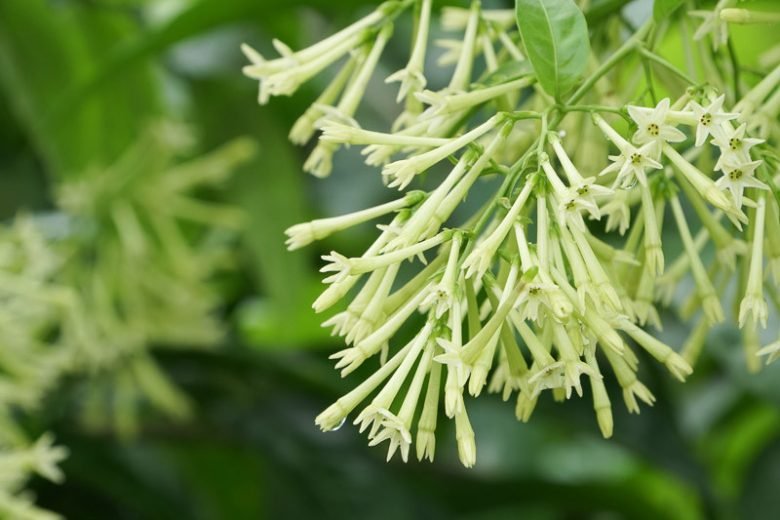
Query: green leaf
point(555, 35)
point(45, 50)
point(664, 8)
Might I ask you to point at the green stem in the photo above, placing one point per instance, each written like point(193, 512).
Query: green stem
point(625, 49)
point(734, 68)
point(650, 55)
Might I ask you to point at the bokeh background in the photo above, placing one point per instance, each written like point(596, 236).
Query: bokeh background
point(80, 79)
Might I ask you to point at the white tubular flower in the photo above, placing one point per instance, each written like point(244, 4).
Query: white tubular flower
point(541, 291)
point(632, 162)
point(618, 212)
point(393, 429)
point(737, 176)
point(564, 373)
point(654, 255)
point(339, 133)
point(351, 358)
point(727, 245)
point(343, 266)
point(771, 351)
point(442, 297)
point(335, 414)
point(601, 402)
point(426, 425)
point(568, 201)
point(373, 415)
point(284, 79)
point(457, 373)
point(306, 124)
point(337, 290)
point(402, 172)
point(582, 189)
point(632, 387)
point(481, 340)
point(753, 302)
point(284, 75)
point(396, 428)
point(442, 103)
point(709, 120)
point(659, 350)
point(319, 162)
point(734, 147)
point(464, 435)
point(301, 235)
point(424, 221)
point(411, 77)
point(462, 74)
point(705, 186)
point(652, 124)
point(631, 165)
point(482, 256)
point(713, 25)
point(710, 301)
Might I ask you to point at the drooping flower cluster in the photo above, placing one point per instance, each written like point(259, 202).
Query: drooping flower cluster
point(526, 295)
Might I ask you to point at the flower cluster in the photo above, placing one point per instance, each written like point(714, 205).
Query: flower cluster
point(526, 295)
point(89, 286)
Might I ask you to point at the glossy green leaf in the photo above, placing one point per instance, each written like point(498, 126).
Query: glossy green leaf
point(555, 35)
point(664, 8)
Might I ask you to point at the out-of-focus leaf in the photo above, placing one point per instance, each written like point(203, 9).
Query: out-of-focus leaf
point(662, 9)
point(43, 54)
point(737, 442)
point(196, 19)
point(555, 36)
point(270, 189)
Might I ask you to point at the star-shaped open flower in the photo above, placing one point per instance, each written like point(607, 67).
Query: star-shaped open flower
point(734, 146)
point(652, 125)
point(709, 119)
point(393, 429)
point(737, 176)
point(631, 165)
point(583, 196)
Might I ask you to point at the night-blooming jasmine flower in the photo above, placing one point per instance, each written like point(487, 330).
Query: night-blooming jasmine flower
point(734, 147)
point(652, 125)
point(301, 235)
point(632, 162)
point(482, 256)
point(411, 77)
point(709, 120)
point(737, 176)
point(705, 186)
point(753, 302)
point(713, 25)
point(402, 172)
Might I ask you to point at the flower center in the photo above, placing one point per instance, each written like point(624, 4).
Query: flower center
point(534, 290)
point(571, 204)
point(735, 175)
point(735, 144)
point(653, 129)
point(583, 190)
point(636, 158)
point(706, 119)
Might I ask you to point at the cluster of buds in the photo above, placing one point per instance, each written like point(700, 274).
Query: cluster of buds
point(526, 295)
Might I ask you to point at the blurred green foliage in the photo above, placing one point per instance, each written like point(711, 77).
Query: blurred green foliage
point(80, 79)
